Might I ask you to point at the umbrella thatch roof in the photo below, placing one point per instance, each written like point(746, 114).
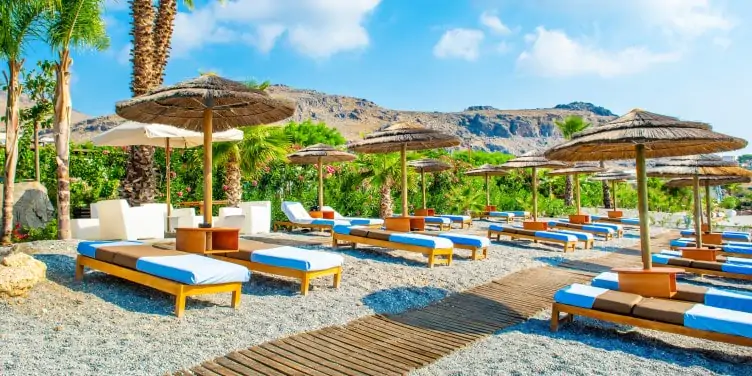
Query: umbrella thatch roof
point(708, 180)
point(532, 159)
point(233, 105)
point(578, 168)
point(487, 170)
point(391, 138)
point(614, 175)
point(702, 165)
point(429, 165)
point(663, 136)
point(326, 153)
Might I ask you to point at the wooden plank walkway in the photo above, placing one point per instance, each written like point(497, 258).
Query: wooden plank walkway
point(396, 344)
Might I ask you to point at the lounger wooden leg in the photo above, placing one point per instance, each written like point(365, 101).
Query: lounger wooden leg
point(485, 252)
point(554, 318)
point(305, 282)
point(236, 297)
point(79, 270)
point(180, 302)
point(337, 278)
point(449, 259)
point(474, 255)
point(431, 257)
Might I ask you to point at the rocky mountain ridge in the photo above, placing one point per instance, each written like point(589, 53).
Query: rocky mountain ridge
point(480, 127)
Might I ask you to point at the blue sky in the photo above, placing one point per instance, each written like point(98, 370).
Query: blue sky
point(687, 58)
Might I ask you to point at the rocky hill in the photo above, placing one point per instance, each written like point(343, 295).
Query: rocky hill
point(25, 103)
point(480, 127)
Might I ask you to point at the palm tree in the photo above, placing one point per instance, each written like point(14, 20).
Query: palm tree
point(260, 145)
point(71, 24)
point(20, 24)
point(152, 30)
point(39, 86)
point(382, 170)
point(568, 127)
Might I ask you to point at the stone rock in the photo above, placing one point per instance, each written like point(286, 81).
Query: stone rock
point(31, 205)
point(19, 273)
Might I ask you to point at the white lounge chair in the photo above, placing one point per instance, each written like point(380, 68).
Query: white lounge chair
point(298, 217)
point(119, 221)
point(356, 221)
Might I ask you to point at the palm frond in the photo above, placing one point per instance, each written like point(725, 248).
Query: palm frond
point(77, 24)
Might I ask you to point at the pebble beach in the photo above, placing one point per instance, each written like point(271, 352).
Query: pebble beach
point(105, 325)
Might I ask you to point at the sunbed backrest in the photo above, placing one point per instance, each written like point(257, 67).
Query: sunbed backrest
point(294, 211)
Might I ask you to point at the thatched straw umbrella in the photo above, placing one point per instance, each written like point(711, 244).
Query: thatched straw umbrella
point(402, 137)
point(487, 170)
point(614, 177)
point(533, 160)
point(708, 181)
point(696, 166)
point(319, 154)
point(428, 165)
point(576, 170)
point(206, 104)
point(641, 134)
point(133, 133)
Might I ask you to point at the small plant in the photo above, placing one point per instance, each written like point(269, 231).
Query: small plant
point(730, 202)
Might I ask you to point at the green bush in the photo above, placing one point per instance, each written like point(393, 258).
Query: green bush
point(729, 202)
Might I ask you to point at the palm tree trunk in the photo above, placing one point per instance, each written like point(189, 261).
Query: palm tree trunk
point(139, 185)
point(232, 179)
point(568, 191)
point(62, 135)
point(11, 146)
point(606, 191)
point(385, 200)
point(37, 167)
point(163, 29)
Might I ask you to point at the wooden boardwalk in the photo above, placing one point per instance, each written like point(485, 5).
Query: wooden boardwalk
point(396, 344)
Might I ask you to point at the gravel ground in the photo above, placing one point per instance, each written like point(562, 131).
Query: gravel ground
point(590, 347)
point(109, 326)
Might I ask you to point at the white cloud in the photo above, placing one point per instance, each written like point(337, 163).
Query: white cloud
point(493, 22)
point(316, 28)
point(459, 43)
point(686, 18)
point(554, 54)
point(722, 42)
point(124, 54)
point(503, 47)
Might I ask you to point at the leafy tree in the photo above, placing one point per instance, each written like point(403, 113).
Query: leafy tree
point(382, 170)
point(19, 25)
point(568, 127)
point(39, 86)
point(307, 133)
point(260, 146)
point(745, 158)
point(71, 24)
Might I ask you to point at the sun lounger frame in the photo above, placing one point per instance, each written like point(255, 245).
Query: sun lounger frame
point(305, 277)
point(567, 245)
point(718, 273)
point(606, 236)
point(720, 251)
point(570, 312)
point(291, 226)
point(487, 216)
point(179, 290)
point(614, 221)
point(432, 253)
point(462, 222)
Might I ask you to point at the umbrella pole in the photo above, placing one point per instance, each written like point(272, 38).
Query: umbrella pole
point(423, 181)
point(698, 210)
point(707, 206)
point(167, 195)
point(535, 194)
point(488, 193)
point(321, 185)
point(577, 192)
point(403, 156)
point(613, 193)
point(642, 207)
point(207, 168)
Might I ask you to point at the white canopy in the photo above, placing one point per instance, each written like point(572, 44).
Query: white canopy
point(133, 133)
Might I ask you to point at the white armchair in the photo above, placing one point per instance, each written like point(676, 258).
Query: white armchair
point(230, 217)
point(183, 217)
point(119, 221)
point(258, 217)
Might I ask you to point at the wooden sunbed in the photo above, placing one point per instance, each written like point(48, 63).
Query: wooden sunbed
point(487, 215)
point(689, 266)
point(570, 311)
point(530, 235)
point(578, 227)
point(247, 247)
point(179, 290)
point(379, 238)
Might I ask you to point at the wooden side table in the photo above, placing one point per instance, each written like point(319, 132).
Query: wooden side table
point(700, 254)
point(537, 226)
point(207, 240)
point(316, 214)
point(327, 214)
point(654, 283)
